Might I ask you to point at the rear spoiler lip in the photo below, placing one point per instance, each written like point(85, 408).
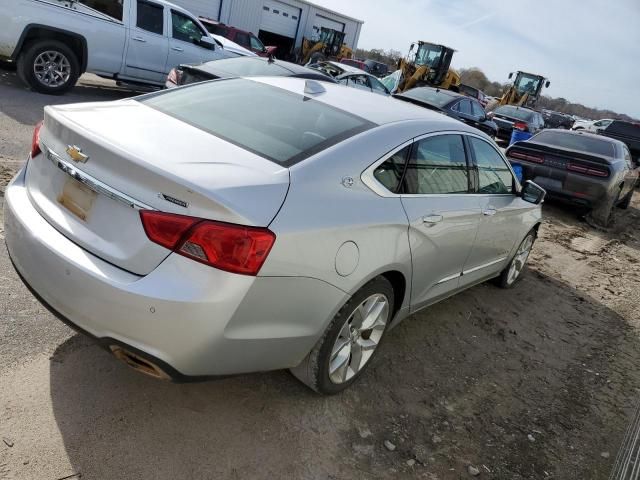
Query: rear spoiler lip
point(573, 154)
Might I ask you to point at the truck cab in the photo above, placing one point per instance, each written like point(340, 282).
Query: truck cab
point(134, 41)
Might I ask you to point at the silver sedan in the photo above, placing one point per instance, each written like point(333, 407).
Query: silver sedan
point(257, 224)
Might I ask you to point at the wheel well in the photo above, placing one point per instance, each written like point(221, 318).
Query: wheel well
point(399, 284)
point(36, 33)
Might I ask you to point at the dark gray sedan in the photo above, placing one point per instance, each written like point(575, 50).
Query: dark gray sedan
point(584, 169)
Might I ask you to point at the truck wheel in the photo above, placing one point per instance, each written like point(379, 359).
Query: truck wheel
point(49, 66)
point(350, 341)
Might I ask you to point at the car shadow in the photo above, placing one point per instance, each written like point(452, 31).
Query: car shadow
point(89, 89)
point(470, 380)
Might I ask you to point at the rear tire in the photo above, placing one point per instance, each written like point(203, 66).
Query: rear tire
point(627, 200)
point(49, 66)
point(345, 349)
point(513, 271)
point(601, 214)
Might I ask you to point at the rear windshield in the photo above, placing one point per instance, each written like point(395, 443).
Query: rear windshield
point(573, 141)
point(248, 67)
point(515, 112)
point(276, 124)
point(427, 95)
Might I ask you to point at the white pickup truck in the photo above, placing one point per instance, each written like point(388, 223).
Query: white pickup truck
point(53, 42)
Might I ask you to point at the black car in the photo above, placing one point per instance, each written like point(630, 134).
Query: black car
point(627, 132)
point(584, 169)
point(377, 68)
point(241, 67)
point(460, 107)
point(509, 117)
point(557, 120)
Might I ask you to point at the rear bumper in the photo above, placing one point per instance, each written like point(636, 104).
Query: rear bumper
point(566, 186)
point(193, 320)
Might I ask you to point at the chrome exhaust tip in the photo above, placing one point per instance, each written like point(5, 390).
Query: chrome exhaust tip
point(138, 363)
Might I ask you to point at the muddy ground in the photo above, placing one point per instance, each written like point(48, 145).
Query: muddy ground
point(537, 382)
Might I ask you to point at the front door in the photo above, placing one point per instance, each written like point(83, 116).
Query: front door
point(148, 44)
point(503, 214)
point(443, 216)
point(184, 42)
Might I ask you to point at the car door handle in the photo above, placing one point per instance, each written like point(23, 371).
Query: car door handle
point(177, 49)
point(432, 219)
point(139, 39)
point(489, 211)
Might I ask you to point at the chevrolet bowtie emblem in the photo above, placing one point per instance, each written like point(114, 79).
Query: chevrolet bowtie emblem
point(76, 154)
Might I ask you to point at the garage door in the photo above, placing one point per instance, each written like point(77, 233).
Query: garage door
point(201, 8)
point(280, 18)
point(321, 21)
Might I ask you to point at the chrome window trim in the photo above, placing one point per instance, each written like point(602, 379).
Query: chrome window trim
point(507, 163)
point(486, 265)
point(369, 179)
point(91, 182)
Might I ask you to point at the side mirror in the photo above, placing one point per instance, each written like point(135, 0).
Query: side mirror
point(207, 42)
point(510, 75)
point(533, 193)
point(547, 84)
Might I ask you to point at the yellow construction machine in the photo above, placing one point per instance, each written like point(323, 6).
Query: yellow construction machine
point(329, 45)
point(525, 90)
point(429, 66)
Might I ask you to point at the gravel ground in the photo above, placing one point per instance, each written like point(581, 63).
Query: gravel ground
point(537, 382)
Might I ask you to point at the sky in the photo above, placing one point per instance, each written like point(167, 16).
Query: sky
point(589, 49)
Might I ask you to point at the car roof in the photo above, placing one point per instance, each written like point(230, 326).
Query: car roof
point(216, 67)
point(517, 108)
point(374, 108)
point(441, 91)
point(585, 134)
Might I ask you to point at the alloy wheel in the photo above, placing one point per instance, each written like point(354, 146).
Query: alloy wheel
point(52, 68)
point(520, 259)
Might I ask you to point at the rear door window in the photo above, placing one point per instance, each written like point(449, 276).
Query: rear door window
point(464, 106)
point(390, 172)
point(494, 176)
point(437, 165)
point(113, 8)
point(150, 17)
point(477, 110)
point(242, 39)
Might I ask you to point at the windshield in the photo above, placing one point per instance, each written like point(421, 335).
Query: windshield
point(573, 141)
point(515, 112)
point(428, 54)
point(427, 95)
point(526, 83)
point(274, 123)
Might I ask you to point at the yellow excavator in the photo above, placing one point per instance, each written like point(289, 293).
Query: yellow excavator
point(328, 46)
point(525, 90)
point(429, 66)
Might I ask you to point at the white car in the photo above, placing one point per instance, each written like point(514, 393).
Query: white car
point(593, 126)
point(131, 41)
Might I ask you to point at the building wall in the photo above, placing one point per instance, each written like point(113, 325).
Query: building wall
point(247, 15)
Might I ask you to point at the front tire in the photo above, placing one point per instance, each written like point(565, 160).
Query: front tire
point(513, 272)
point(49, 67)
point(350, 341)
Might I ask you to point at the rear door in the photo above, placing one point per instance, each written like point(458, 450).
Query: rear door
point(443, 216)
point(502, 213)
point(148, 45)
point(184, 38)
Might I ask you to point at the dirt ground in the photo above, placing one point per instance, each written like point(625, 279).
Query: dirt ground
point(537, 382)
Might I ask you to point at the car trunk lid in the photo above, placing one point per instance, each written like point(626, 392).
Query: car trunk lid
point(139, 158)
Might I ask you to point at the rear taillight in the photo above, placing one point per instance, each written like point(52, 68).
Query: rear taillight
point(35, 140)
point(175, 76)
point(594, 172)
point(523, 127)
point(530, 157)
point(234, 248)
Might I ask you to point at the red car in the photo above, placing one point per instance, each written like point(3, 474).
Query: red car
point(243, 38)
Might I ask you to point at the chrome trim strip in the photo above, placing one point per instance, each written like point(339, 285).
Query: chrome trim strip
point(93, 183)
point(451, 277)
point(480, 267)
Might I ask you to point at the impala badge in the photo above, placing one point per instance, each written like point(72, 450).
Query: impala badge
point(76, 154)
